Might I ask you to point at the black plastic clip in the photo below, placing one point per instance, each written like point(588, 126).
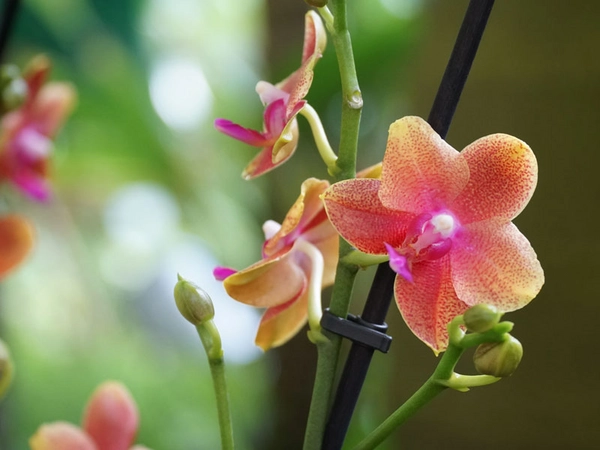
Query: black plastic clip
point(358, 330)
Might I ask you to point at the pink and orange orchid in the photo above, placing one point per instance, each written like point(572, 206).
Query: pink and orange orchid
point(280, 281)
point(444, 219)
point(26, 133)
point(110, 422)
point(283, 102)
point(16, 242)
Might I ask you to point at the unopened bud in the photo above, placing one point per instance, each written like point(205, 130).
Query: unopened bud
point(499, 359)
point(316, 3)
point(193, 303)
point(13, 88)
point(6, 368)
point(481, 318)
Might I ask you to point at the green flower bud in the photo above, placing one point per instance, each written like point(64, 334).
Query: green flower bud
point(193, 303)
point(6, 368)
point(499, 359)
point(13, 88)
point(316, 3)
point(481, 318)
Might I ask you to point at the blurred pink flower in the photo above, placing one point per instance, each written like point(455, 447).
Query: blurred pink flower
point(26, 133)
point(110, 422)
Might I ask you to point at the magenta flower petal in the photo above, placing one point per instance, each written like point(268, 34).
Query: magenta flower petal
point(399, 263)
point(275, 118)
point(220, 272)
point(33, 185)
point(246, 135)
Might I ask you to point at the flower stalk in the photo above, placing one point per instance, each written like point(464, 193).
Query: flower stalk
point(328, 351)
point(442, 378)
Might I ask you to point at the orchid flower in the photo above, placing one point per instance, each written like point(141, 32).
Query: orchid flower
point(283, 102)
point(26, 133)
point(300, 252)
point(110, 422)
point(16, 241)
point(444, 219)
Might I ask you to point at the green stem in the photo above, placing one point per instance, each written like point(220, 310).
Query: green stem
point(431, 388)
point(211, 340)
point(328, 354)
point(351, 96)
point(329, 351)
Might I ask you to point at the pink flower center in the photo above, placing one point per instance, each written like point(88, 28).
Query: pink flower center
point(429, 237)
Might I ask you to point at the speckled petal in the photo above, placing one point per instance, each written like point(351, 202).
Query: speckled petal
point(355, 211)
point(267, 283)
point(111, 417)
point(315, 36)
point(421, 172)
point(61, 436)
point(16, 241)
point(305, 209)
point(281, 323)
point(430, 303)
point(493, 263)
point(315, 40)
point(503, 176)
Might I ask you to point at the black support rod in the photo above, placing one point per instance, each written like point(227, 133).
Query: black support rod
point(380, 296)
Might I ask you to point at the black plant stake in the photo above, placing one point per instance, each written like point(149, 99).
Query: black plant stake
point(380, 295)
point(6, 26)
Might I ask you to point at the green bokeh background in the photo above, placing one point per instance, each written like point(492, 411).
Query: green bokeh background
point(72, 323)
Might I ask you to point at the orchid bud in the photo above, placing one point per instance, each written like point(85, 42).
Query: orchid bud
point(499, 359)
point(193, 303)
point(6, 368)
point(13, 88)
point(481, 318)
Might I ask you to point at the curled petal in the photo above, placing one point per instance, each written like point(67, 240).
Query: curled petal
point(269, 93)
point(16, 241)
point(275, 118)
point(430, 303)
point(60, 436)
point(305, 209)
point(329, 248)
point(503, 176)
point(111, 417)
point(421, 172)
point(246, 135)
point(355, 211)
point(493, 263)
point(267, 283)
point(315, 37)
point(263, 162)
point(280, 323)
